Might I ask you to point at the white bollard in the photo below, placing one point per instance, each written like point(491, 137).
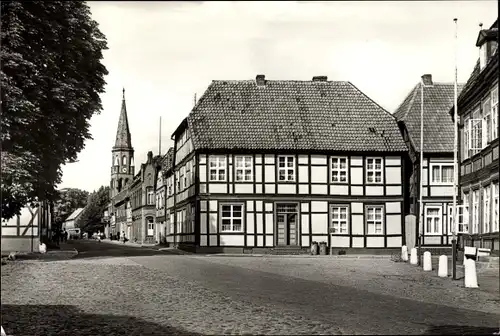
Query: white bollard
point(413, 256)
point(470, 274)
point(3, 332)
point(427, 261)
point(43, 248)
point(443, 266)
point(404, 253)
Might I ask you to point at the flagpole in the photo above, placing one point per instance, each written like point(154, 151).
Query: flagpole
point(421, 205)
point(455, 166)
point(159, 139)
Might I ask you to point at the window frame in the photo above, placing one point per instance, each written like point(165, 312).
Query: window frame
point(439, 216)
point(221, 165)
point(476, 195)
point(494, 112)
point(150, 196)
point(336, 223)
point(339, 170)
point(367, 220)
point(487, 209)
point(441, 165)
point(286, 169)
point(374, 170)
point(231, 218)
point(486, 109)
point(243, 168)
point(495, 201)
point(150, 221)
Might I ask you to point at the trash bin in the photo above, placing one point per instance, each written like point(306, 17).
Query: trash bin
point(314, 248)
point(322, 248)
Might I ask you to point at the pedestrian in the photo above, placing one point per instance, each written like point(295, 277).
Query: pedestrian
point(65, 235)
point(124, 238)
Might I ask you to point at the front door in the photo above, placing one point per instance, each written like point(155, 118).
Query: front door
point(286, 224)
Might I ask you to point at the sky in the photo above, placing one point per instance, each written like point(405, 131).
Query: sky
point(165, 52)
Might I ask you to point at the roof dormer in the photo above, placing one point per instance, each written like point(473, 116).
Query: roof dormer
point(487, 43)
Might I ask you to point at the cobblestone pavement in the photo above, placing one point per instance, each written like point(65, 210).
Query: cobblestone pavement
point(178, 295)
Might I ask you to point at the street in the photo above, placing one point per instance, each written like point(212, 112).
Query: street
point(111, 289)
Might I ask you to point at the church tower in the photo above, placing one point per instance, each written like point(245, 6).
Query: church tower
point(122, 154)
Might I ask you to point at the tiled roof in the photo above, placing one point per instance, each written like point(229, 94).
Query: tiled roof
point(291, 115)
point(123, 137)
point(74, 214)
point(168, 159)
point(438, 124)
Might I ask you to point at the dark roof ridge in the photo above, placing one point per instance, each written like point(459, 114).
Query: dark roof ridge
point(413, 93)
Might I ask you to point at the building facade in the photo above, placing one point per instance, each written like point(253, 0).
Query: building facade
point(265, 165)
point(478, 118)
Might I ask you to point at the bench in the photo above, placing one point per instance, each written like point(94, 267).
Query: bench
point(483, 252)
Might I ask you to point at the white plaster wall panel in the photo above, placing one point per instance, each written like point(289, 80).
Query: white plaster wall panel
point(392, 207)
point(259, 221)
point(304, 222)
point(424, 192)
point(287, 189)
point(213, 240)
point(250, 241)
point(303, 174)
point(393, 190)
point(213, 206)
point(303, 159)
point(356, 160)
point(250, 223)
point(258, 206)
point(357, 207)
point(319, 189)
point(203, 173)
point(357, 224)
point(393, 175)
point(230, 189)
point(356, 190)
point(270, 174)
point(203, 159)
point(320, 238)
point(258, 158)
point(394, 242)
point(203, 240)
point(432, 240)
point(358, 242)
point(218, 188)
point(374, 241)
point(393, 161)
point(269, 158)
point(374, 190)
point(305, 241)
point(9, 231)
point(356, 175)
point(339, 189)
point(319, 174)
point(303, 189)
point(243, 188)
point(269, 206)
point(304, 207)
point(260, 241)
point(319, 159)
point(249, 206)
point(337, 241)
point(319, 223)
point(203, 206)
point(270, 188)
point(424, 179)
point(203, 188)
point(269, 240)
point(203, 222)
point(442, 191)
point(232, 240)
point(426, 161)
point(258, 188)
point(212, 224)
point(269, 223)
point(258, 173)
point(319, 206)
point(393, 224)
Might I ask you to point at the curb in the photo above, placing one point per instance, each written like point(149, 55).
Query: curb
point(298, 256)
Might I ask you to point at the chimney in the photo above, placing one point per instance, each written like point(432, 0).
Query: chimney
point(260, 80)
point(320, 78)
point(427, 80)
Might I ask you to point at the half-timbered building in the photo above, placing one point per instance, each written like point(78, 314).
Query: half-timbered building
point(263, 165)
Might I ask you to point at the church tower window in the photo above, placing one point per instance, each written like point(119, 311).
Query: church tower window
point(124, 160)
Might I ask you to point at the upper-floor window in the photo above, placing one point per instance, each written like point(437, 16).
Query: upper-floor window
point(375, 219)
point(170, 183)
point(483, 55)
point(177, 181)
point(117, 160)
point(487, 121)
point(187, 174)
point(374, 170)
point(124, 160)
point(286, 168)
point(231, 218)
point(441, 173)
point(244, 169)
point(150, 196)
point(494, 113)
point(339, 169)
point(339, 219)
point(217, 166)
point(433, 219)
point(182, 178)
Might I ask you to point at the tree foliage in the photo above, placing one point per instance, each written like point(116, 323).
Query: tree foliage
point(91, 217)
point(68, 201)
point(51, 78)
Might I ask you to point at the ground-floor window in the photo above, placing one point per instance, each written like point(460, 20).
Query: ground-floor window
point(433, 220)
point(475, 211)
point(231, 218)
point(375, 219)
point(151, 228)
point(339, 219)
point(486, 209)
point(495, 207)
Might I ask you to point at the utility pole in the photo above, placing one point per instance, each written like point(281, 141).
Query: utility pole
point(455, 167)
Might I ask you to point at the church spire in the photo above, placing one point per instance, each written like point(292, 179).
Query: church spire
point(123, 138)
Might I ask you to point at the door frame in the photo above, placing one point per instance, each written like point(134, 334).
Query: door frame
point(275, 219)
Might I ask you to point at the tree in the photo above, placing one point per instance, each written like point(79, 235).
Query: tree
point(68, 201)
point(91, 217)
point(51, 78)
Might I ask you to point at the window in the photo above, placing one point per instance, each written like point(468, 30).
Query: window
point(495, 207)
point(232, 218)
point(182, 178)
point(339, 221)
point(475, 211)
point(441, 173)
point(375, 219)
point(339, 169)
point(124, 160)
point(286, 168)
point(374, 170)
point(494, 113)
point(433, 218)
point(466, 144)
point(217, 165)
point(151, 226)
point(244, 169)
point(150, 195)
point(187, 181)
point(184, 221)
point(117, 160)
point(170, 184)
point(487, 121)
point(178, 221)
point(177, 181)
point(476, 132)
point(486, 209)
point(483, 55)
